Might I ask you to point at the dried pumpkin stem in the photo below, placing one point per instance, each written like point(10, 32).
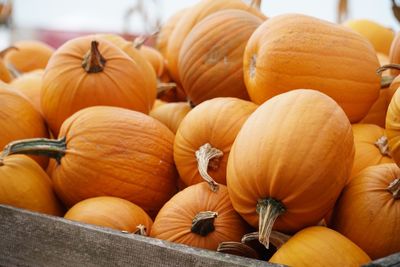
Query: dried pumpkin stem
point(161, 87)
point(237, 248)
point(140, 40)
point(37, 146)
point(383, 145)
point(6, 50)
point(256, 4)
point(387, 67)
point(277, 239)
point(140, 230)
point(268, 209)
point(93, 61)
point(203, 223)
point(207, 157)
point(394, 188)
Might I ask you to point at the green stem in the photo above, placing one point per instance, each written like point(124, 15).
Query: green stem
point(203, 223)
point(204, 155)
point(93, 61)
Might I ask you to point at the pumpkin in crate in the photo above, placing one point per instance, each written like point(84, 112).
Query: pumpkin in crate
point(90, 71)
point(368, 210)
point(112, 212)
point(110, 151)
point(294, 51)
point(290, 161)
point(171, 114)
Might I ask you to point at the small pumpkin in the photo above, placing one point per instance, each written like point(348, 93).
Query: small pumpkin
point(24, 184)
point(171, 114)
point(290, 161)
point(367, 211)
point(285, 53)
point(112, 212)
point(320, 246)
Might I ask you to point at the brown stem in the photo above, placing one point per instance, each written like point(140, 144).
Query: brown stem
point(277, 239)
point(383, 145)
point(237, 248)
point(93, 61)
point(256, 4)
point(203, 223)
point(387, 66)
point(394, 188)
point(162, 87)
point(140, 230)
point(204, 155)
point(268, 209)
point(140, 40)
point(6, 50)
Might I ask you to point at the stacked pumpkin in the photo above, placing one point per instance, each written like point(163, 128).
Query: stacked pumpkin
point(268, 138)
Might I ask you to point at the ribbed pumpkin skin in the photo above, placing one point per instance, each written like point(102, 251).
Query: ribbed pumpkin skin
point(190, 18)
point(367, 213)
point(174, 221)
point(320, 246)
point(171, 114)
point(297, 148)
point(116, 152)
point(211, 57)
point(112, 212)
point(217, 122)
point(367, 153)
point(67, 87)
point(377, 114)
point(23, 184)
point(394, 54)
point(393, 127)
point(296, 51)
point(19, 120)
point(154, 57)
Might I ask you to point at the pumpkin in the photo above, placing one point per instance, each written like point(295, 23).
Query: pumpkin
point(213, 66)
point(393, 127)
point(24, 184)
point(90, 71)
point(30, 85)
point(171, 92)
point(368, 210)
point(199, 217)
point(193, 16)
point(110, 151)
point(5, 74)
point(29, 55)
point(205, 136)
point(379, 36)
point(371, 146)
point(320, 246)
point(112, 212)
point(286, 53)
point(290, 161)
point(394, 85)
point(154, 57)
point(377, 114)
point(171, 114)
point(394, 54)
point(19, 120)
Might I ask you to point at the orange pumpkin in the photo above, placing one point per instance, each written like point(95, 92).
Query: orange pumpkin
point(285, 53)
point(371, 147)
point(29, 55)
point(5, 74)
point(205, 136)
point(112, 212)
point(393, 127)
point(19, 120)
point(193, 16)
point(377, 113)
point(90, 71)
point(394, 54)
point(213, 66)
point(110, 151)
point(290, 161)
point(199, 217)
point(319, 246)
point(24, 184)
point(171, 114)
point(154, 57)
point(367, 211)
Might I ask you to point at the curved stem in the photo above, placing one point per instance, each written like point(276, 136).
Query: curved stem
point(36, 146)
point(93, 61)
point(387, 66)
point(268, 209)
point(140, 230)
point(256, 4)
point(6, 50)
point(204, 155)
point(140, 40)
point(277, 239)
point(383, 145)
point(394, 188)
point(203, 223)
point(162, 87)
point(386, 81)
point(237, 248)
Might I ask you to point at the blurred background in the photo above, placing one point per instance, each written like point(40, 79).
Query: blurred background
point(54, 22)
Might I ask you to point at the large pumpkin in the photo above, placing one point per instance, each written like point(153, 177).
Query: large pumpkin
point(90, 71)
point(213, 66)
point(111, 151)
point(296, 51)
point(377, 113)
point(200, 218)
point(290, 161)
point(368, 210)
point(24, 184)
point(171, 114)
point(205, 136)
point(193, 16)
point(320, 246)
point(393, 127)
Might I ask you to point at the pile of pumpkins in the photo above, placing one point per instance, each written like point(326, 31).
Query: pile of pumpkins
point(263, 137)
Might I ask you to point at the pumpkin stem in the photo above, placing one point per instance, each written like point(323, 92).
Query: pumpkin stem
point(208, 157)
point(203, 223)
point(37, 146)
point(6, 50)
point(237, 248)
point(268, 209)
point(140, 40)
point(388, 66)
point(256, 4)
point(13, 70)
point(161, 87)
point(277, 239)
point(383, 145)
point(93, 61)
point(140, 230)
point(394, 188)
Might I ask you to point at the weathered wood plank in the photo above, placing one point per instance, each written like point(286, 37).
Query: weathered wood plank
point(389, 261)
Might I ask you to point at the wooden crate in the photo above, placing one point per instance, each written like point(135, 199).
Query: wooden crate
point(33, 239)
